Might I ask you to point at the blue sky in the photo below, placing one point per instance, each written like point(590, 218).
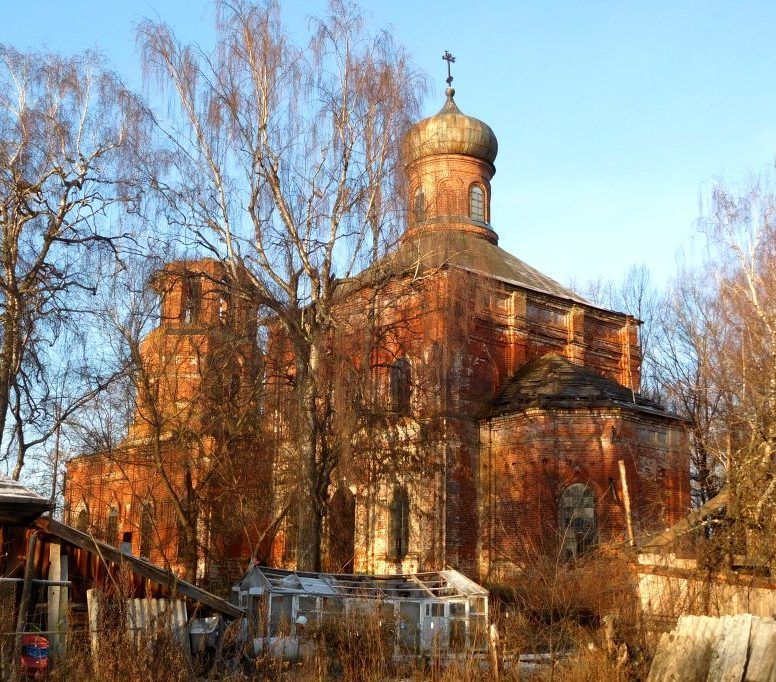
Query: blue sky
point(613, 118)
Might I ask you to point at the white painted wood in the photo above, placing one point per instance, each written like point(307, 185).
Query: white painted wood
point(729, 649)
point(92, 606)
point(762, 645)
point(55, 613)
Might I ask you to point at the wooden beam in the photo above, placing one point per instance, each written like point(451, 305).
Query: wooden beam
point(139, 566)
point(24, 606)
point(626, 500)
point(57, 599)
point(688, 522)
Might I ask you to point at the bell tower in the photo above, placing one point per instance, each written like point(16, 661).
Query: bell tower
point(201, 358)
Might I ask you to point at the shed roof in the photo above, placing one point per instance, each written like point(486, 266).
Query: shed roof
point(554, 381)
point(19, 505)
point(138, 565)
point(447, 584)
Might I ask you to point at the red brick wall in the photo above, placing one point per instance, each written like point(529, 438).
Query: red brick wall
point(528, 459)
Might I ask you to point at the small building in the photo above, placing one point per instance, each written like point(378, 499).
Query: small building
point(421, 612)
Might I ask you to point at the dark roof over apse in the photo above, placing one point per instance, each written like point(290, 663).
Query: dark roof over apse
point(554, 381)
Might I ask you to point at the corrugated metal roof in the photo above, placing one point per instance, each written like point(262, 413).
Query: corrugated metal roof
point(20, 505)
point(431, 585)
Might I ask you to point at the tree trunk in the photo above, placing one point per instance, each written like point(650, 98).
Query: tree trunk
point(7, 361)
point(308, 553)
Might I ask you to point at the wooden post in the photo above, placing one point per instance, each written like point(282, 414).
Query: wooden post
point(24, 606)
point(92, 606)
point(57, 600)
point(493, 648)
point(626, 500)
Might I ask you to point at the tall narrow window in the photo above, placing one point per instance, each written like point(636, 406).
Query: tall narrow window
point(477, 203)
point(419, 205)
point(190, 296)
point(576, 520)
point(146, 529)
point(400, 386)
point(112, 526)
point(399, 540)
point(82, 523)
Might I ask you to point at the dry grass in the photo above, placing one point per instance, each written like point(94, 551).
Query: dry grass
point(555, 611)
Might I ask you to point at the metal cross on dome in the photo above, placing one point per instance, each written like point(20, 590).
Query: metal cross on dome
point(450, 60)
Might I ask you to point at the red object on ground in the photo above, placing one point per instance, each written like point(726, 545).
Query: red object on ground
point(34, 655)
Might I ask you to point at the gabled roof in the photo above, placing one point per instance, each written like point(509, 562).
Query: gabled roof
point(469, 252)
point(19, 505)
point(554, 381)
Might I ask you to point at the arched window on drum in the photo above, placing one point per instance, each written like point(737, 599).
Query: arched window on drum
point(576, 520)
point(477, 203)
point(419, 205)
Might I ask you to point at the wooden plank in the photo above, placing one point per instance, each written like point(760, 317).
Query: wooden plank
point(684, 653)
point(730, 649)
point(64, 599)
point(92, 606)
point(762, 651)
point(626, 499)
point(727, 649)
point(181, 624)
point(57, 615)
point(24, 606)
point(143, 568)
point(688, 522)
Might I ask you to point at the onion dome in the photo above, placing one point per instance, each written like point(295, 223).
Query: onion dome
point(450, 132)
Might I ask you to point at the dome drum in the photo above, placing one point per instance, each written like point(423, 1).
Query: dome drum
point(449, 163)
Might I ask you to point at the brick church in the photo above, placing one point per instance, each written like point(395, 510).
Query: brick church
point(504, 413)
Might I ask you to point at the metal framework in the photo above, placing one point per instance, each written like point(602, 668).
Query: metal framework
point(419, 611)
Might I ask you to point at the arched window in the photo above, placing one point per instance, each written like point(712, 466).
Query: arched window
point(190, 297)
point(146, 529)
point(576, 520)
point(223, 309)
point(82, 522)
point(419, 205)
point(400, 386)
point(399, 540)
point(477, 203)
point(112, 525)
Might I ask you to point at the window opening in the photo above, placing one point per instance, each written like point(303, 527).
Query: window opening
point(477, 203)
point(146, 528)
point(112, 526)
point(400, 386)
point(576, 520)
point(400, 523)
point(223, 309)
point(83, 520)
point(191, 295)
point(419, 205)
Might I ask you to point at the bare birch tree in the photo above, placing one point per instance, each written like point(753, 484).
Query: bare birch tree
point(741, 228)
point(285, 161)
point(68, 129)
